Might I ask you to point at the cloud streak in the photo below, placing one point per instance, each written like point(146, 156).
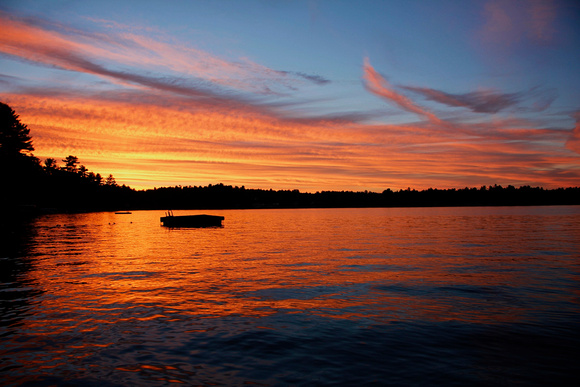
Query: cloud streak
point(156, 112)
point(510, 22)
point(488, 101)
point(379, 86)
point(573, 142)
point(150, 144)
point(190, 72)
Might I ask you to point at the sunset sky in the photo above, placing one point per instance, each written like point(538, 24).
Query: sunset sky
point(308, 95)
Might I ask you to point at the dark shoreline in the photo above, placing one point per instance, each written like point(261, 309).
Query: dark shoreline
point(223, 197)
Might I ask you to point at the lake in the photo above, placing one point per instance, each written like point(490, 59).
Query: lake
point(354, 297)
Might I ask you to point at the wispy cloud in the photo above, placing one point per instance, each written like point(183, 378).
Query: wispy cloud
point(490, 101)
point(158, 112)
point(508, 22)
point(379, 86)
point(313, 78)
point(144, 142)
point(132, 59)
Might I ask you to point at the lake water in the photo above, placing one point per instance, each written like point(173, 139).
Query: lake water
point(416, 296)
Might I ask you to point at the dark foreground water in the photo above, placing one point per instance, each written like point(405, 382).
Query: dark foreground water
point(434, 297)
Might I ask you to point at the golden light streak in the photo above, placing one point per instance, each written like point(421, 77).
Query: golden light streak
point(145, 146)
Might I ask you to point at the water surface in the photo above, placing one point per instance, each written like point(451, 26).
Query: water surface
point(430, 296)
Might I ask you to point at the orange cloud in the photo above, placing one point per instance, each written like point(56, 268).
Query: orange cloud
point(573, 142)
point(157, 123)
point(145, 145)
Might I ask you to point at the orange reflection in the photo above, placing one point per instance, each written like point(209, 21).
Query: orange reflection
point(135, 272)
point(113, 283)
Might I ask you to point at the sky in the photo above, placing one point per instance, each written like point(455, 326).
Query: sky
point(309, 95)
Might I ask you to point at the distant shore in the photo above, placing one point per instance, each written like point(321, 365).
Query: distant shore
point(214, 197)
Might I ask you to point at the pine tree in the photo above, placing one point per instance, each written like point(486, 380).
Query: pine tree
point(20, 171)
point(14, 136)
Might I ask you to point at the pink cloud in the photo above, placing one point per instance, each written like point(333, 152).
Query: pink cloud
point(508, 22)
point(163, 129)
point(542, 15)
point(190, 70)
point(149, 141)
point(379, 86)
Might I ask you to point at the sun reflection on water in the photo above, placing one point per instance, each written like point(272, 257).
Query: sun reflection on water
point(120, 287)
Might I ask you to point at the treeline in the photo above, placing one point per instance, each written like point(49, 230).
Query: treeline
point(73, 187)
point(222, 196)
point(69, 191)
point(32, 186)
point(29, 185)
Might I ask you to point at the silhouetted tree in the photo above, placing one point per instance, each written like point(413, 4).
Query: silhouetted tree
point(110, 181)
point(14, 135)
point(50, 164)
point(71, 163)
point(82, 171)
point(20, 171)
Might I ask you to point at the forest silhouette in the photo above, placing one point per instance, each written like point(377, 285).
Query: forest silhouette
point(32, 186)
